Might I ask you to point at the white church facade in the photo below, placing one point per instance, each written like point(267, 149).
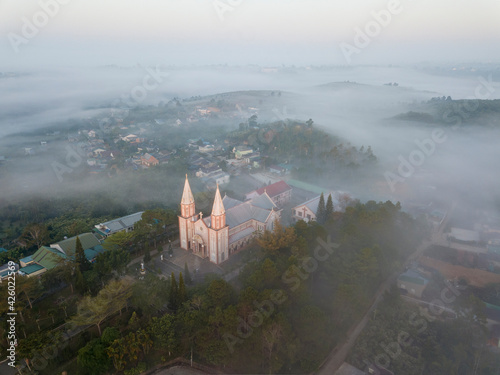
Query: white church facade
point(230, 227)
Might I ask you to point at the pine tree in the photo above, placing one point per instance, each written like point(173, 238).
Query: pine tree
point(172, 298)
point(181, 295)
point(329, 208)
point(187, 275)
point(81, 259)
point(321, 211)
point(80, 284)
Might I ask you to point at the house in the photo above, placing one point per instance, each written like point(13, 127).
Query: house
point(48, 258)
point(307, 210)
point(280, 192)
point(26, 261)
point(241, 151)
point(125, 223)
point(32, 270)
point(412, 282)
point(208, 171)
point(91, 245)
point(5, 269)
point(149, 160)
point(214, 179)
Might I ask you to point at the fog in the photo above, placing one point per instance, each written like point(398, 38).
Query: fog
point(352, 103)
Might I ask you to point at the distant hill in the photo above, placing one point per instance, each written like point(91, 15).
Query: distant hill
point(448, 112)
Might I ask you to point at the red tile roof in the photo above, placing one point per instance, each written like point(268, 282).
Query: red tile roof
point(274, 189)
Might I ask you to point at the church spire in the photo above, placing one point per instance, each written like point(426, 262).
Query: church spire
point(187, 201)
point(218, 217)
point(218, 207)
point(187, 195)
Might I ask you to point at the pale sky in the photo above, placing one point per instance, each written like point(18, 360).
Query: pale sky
point(268, 32)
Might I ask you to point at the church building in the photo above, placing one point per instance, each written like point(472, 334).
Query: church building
point(231, 225)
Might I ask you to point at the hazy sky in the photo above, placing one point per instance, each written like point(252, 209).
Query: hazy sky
point(96, 32)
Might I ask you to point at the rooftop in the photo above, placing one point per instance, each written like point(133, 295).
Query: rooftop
point(68, 246)
point(119, 224)
point(32, 268)
point(274, 189)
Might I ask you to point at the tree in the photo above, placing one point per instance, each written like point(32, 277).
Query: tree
point(163, 332)
point(321, 211)
point(28, 287)
point(95, 310)
point(112, 260)
point(119, 240)
point(172, 298)
point(252, 121)
point(35, 235)
point(181, 294)
point(281, 238)
point(144, 340)
point(329, 208)
point(92, 358)
point(149, 295)
point(80, 283)
point(109, 335)
point(80, 257)
point(270, 340)
point(187, 275)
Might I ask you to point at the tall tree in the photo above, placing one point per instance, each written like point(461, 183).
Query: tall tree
point(181, 294)
point(321, 211)
point(80, 283)
point(329, 208)
point(80, 257)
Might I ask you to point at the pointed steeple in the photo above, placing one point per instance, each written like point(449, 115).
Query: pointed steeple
point(187, 195)
point(218, 217)
point(187, 201)
point(218, 207)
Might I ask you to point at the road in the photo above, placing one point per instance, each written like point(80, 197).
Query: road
point(339, 353)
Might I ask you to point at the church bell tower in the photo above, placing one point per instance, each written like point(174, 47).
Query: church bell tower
point(186, 218)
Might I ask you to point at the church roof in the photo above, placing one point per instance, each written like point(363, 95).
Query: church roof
point(244, 212)
point(241, 234)
point(187, 195)
point(263, 201)
point(218, 207)
point(230, 202)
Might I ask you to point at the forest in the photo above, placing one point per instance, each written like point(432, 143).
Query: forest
point(292, 303)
